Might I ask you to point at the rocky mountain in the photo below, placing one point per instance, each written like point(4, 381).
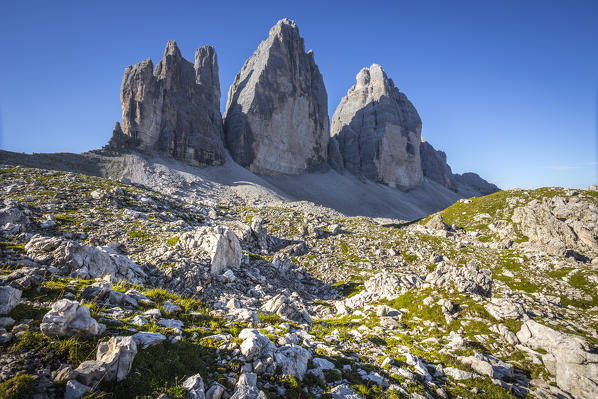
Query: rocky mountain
point(436, 168)
point(110, 289)
point(276, 119)
point(174, 109)
point(378, 131)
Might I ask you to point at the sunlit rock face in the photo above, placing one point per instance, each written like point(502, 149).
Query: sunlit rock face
point(379, 131)
point(174, 108)
point(276, 119)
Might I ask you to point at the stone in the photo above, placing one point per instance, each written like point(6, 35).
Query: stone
point(382, 286)
point(343, 392)
point(570, 358)
point(75, 390)
point(458, 374)
point(276, 119)
point(82, 261)
point(288, 309)
point(215, 392)
point(25, 278)
point(219, 243)
point(118, 355)
point(469, 278)
point(246, 388)
point(195, 387)
point(170, 307)
point(171, 323)
point(504, 308)
point(255, 344)
point(65, 373)
point(67, 318)
point(323, 364)
point(436, 222)
point(292, 360)
point(379, 131)
point(174, 109)
point(435, 167)
point(147, 339)
point(490, 366)
point(90, 372)
point(9, 299)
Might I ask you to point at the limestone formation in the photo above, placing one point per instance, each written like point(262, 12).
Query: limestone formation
point(276, 119)
point(435, 167)
point(379, 131)
point(68, 318)
point(174, 108)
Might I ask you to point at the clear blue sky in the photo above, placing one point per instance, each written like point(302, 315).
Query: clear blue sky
point(508, 89)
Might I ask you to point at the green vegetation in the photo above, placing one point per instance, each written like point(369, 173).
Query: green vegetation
point(21, 386)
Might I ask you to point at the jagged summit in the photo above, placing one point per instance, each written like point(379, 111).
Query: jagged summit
point(378, 131)
point(276, 119)
point(174, 109)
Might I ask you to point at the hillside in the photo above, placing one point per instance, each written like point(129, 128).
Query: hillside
point(129, 290)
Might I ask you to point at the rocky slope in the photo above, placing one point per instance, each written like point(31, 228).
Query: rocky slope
point(276, 118)
point(115, 290)
point(174, 109)
point(378, 131)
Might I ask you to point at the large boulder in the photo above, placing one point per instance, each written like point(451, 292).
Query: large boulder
point(569, 358)
point(287, 308)
point(255, 344)
point(383, 286)
point(82, 261)
point(219, 243)
point(379, 131)
point(276, 119)
point(118, 355)
point(174, 108)
point(292, 360)
point(68, 318)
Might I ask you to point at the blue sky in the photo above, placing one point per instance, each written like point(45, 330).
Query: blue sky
point(507, 89)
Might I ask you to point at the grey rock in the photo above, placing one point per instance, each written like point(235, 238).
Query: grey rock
point(118, 355)
point(343, 392)
point(215, 392)
point(82, 261)
point(68, 318)
point(435, 167)
point(276, 119)
point(292, 360)
point(219, 243)
point(9, 299)
point(569, 358)
point(246, 388)
point(379, 131)
point(174, 109)
point(25, 278)
point(504, 308)
point(490, 366)
point(287, 308)
point(255, 344)
point(75, 390)
point(436, 222)
point(147, 339)
point(382, 286)
point(90, 372)
point(195, 387)
point(469, 278)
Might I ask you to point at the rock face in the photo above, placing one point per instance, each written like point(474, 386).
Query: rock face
point(174, 108)
point(558, 224)
point(276, 119)
point(379, 131)
point(568, 358)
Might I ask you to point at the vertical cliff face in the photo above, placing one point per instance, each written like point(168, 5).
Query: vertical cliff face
point(174, 109)
point(435, 167)
point(378, 131)
point(276, 119)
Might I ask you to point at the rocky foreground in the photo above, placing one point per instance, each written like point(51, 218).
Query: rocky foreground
point(114, 290)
